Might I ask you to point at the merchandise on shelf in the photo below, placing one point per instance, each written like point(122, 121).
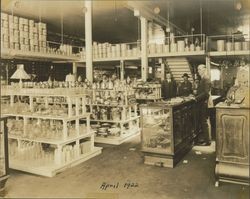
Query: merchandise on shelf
point(23, 34)
point(174, 44)
point(107, 50)
point(150, 91)
point(45, 130)
point(168, 130)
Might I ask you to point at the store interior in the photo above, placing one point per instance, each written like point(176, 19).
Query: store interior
point(125, 99)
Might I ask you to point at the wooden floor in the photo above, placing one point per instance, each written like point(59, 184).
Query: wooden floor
point(192, 178)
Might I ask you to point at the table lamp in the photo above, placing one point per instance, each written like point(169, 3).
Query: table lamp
point(20, 74)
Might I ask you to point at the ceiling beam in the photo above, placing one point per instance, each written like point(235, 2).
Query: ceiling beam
point(144, 11)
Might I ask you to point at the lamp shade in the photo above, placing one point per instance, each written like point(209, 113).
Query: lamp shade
point(20, 73)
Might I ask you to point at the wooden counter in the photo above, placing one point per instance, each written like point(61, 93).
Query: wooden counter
point(232, 144)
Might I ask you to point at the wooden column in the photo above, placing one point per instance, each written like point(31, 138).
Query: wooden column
point(74, 70)
point(144, 48)
point(88, 40)
point(122, 70)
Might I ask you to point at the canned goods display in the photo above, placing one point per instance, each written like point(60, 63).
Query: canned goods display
point(4, 16)
point(15, 19)
point(16, 46)
point(11, 18)
point(16, 39)
point(26, 34)
point(5, 24)
point(16, 26)
point(6, 44)
point(21, 27)
point(26, 28)
point(26, 41)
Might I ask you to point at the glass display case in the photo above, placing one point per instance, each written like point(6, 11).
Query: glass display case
point(168, 131)
point(4, 162)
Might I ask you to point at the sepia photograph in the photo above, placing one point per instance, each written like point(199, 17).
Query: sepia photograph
point(116, 99)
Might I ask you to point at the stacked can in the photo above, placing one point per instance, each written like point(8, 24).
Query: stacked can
point(4, 30)
point(42, 37)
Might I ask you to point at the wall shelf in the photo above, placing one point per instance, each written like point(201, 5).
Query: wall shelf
point(35, 56)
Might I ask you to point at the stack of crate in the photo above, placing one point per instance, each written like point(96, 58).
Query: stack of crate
point(23, 34)
point(4, 31)
point(42, 36)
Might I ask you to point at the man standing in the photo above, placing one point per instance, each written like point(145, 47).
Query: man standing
point(185, 88)
point(202, 96)
point(168, 87)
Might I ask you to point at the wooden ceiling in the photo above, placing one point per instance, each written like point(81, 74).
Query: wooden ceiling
point(113, 22)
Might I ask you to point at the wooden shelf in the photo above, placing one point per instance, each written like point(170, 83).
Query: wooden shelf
point(43, 92)
point(49, 117)
point(116, 121)
point(178, 54)
point(129, 105)
point(52, 141)
point(35, 56)
point(113, 59)
point(229, 53)
point(149, 98)
point(114, 140)
point(50, 169)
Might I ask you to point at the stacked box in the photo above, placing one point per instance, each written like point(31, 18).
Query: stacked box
point(42, 36)
point(23, 34)
point(4, 30)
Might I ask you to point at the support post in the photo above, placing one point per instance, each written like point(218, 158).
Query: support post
point(144, 48)
point(88, 40)
point(122, 70)
point(74, 70)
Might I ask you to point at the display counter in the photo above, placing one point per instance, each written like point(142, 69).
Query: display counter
point(232, 144)
point(168, 130)
point(4, 160)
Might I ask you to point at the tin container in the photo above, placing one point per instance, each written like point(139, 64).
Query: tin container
point(229, 46)
point(173, 47)
point(191, 47)
point(166, 48)
point(237, 46)
point(159, 48)
point(180, 46)
point(220, 45)
point(245, 45)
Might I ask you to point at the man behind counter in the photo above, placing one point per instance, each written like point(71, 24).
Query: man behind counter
point(168, 87)
point(202, 96)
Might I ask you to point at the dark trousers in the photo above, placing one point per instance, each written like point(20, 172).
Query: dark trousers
point(203, 116)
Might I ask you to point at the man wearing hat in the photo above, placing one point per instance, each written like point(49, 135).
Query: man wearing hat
point(185, 88)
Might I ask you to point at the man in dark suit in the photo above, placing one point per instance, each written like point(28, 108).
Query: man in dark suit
point(168, 87)
point(202, 96)
point(185, 88)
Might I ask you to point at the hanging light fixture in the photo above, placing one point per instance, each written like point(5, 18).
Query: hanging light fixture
point(20, 74)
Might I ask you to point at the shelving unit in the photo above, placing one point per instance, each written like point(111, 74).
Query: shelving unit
point(56, 142)
point(113, 123)
point(35, 56)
